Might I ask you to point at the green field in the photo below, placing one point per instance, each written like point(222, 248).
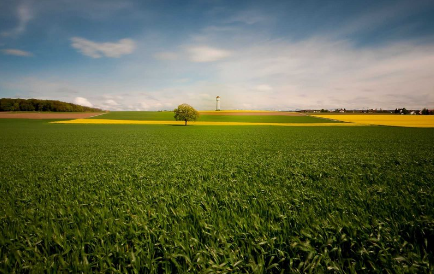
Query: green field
point(215, 199)
point(168, 116)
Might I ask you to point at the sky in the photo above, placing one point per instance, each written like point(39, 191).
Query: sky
point(263, 55)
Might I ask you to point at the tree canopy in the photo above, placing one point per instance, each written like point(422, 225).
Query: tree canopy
point(185, 113)
point(8, 104)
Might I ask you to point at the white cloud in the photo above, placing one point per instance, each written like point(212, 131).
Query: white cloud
point(24, 14)
point(17, 52)
point(207, 54)
point(332, 73)
point(152, 105)
point(272, 74)
point(82, 101)
point(166, 56)
point(108, 49)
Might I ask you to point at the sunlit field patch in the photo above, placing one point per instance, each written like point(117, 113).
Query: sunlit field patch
point(385, 120)
point(198, 123)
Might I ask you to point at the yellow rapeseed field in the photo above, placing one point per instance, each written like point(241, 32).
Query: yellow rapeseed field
point(141, 122)
point(385, 120)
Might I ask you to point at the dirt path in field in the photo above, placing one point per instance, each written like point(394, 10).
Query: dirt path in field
point(47, 115)
point(251, 113)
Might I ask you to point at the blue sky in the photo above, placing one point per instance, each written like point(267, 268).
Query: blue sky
point(283, 55)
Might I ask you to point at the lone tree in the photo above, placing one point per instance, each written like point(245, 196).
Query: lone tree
point(185, 113)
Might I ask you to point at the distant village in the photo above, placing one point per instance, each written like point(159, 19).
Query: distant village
point(402, 111)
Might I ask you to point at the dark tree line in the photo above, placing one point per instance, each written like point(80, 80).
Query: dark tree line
point(7, 104)
point(424, 111)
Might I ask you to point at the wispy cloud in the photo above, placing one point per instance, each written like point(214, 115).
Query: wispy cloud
point(108, 49)
point(17, 52)
point(24, 15)
point(207, 54)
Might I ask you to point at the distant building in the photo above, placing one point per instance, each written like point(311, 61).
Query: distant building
point(217, 102)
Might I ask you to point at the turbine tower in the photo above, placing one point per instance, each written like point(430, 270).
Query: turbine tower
point(217, 103)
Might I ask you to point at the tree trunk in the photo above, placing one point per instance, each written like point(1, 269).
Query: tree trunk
point(185, 122)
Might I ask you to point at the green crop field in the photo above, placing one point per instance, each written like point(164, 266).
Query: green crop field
point(138, 115)
point(215, 199)
point(168, 116)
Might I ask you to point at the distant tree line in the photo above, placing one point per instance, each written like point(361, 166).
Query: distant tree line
point(424, 111)
point(7, 104)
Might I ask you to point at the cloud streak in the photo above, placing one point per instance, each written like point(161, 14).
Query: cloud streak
point(17, 52)
point(24, 15)
point(108, 49)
